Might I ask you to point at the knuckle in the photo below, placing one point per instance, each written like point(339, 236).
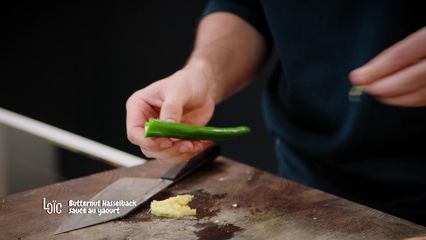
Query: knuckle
point(130, 137)
point(169, 104)
point(129, 102)
point(147, 154)
point(149, 146)
point(381, 91)
point(377, 92)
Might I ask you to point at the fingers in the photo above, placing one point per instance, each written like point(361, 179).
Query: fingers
point(397, 76)
point(404, 53)
point(414, 99)
point(406, 81)
point(172, 108)
point(181, 150)
point(137, 114)
point(166, 99)
point(139, 111)
point(136, 136)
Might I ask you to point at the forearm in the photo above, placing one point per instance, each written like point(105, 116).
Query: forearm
point(228, 51)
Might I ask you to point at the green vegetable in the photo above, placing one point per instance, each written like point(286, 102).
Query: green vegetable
point(355, 93)
point(158, 128)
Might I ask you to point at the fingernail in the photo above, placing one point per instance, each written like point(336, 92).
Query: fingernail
point(183, 149)
point(165, 144)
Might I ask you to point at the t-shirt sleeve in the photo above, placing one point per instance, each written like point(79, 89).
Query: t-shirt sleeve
point(249, 10)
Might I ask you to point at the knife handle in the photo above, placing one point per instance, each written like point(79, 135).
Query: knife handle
point(181, 170)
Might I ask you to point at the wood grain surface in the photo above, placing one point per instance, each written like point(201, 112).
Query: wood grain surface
point(233, 201)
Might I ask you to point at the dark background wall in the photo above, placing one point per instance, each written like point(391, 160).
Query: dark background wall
point(73, 65)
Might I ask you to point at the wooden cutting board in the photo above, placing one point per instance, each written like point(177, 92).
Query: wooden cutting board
point(233, 201)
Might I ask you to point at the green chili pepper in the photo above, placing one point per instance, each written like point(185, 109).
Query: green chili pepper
point(158, 128)
point(355, 93)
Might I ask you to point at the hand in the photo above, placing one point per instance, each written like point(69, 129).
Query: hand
point(397, 76)
point(183, 97)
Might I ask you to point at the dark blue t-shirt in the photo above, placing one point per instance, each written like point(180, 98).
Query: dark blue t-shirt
point(365, 151)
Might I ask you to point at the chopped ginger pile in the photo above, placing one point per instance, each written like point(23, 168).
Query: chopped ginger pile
point(175, 207)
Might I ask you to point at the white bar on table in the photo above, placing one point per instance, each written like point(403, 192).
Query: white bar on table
point(69, 140)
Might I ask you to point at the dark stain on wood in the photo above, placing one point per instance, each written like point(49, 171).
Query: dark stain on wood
point(205, 203)
point(214, 231)
point(255, 211)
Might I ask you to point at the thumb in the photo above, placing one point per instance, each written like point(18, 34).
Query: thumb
point(171, 110)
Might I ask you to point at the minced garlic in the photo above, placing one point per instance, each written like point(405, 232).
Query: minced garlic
point(175, 207)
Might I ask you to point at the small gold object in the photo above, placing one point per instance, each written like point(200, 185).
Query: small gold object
point(355, 93)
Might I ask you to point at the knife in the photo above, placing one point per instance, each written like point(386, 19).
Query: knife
point(132, 190)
